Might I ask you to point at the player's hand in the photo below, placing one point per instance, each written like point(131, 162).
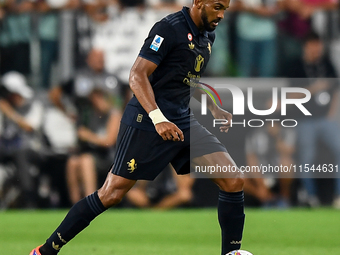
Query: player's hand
point(219, 113)
point(169, 131)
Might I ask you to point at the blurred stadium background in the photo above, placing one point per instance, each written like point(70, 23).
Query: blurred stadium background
point(50, 42)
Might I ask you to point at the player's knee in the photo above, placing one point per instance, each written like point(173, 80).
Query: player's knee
point(231, 184)
point(235, 184)
point(111, 193)
point(113, 199)
point(114, 189)
point(110, 199)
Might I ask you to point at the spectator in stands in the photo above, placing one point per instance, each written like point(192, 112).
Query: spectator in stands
point(256, 38)
point(15, 35)
point(168, 5)
point(77, 88)
point(85, 24)
point(271, 145)
point(19, 137)
point(316, 69)
point(97, 9)
point(95, 148)
point(2, 11)
point(300, 12)
point(48, 35)
point(97, 124)
point(121, 36)
point(296, 24)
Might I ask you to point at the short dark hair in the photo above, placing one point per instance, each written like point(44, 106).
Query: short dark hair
point(311, 36)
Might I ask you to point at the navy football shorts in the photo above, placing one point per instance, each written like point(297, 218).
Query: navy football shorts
point(142, 155)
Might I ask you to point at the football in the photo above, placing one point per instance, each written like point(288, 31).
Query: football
point(239, 252)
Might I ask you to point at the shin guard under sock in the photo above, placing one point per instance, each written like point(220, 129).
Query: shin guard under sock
point(231, 218)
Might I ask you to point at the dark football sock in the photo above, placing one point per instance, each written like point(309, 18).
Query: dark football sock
point(78, 218)
point(231, 218)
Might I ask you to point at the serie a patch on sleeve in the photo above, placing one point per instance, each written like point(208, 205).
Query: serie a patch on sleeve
point(156, 43)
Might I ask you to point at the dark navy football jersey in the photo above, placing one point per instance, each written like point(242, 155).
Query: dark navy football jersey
point(181, 54)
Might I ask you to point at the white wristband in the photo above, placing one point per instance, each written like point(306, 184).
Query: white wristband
point(157, 116)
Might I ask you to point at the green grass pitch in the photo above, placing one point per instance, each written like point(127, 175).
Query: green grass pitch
point(176, 232)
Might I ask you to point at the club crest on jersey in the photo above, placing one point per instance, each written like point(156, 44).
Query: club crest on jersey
point(190, 37)
point(199, 63)
point(156, 43)
point(191, 46)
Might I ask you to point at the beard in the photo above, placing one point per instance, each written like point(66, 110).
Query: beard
point(206, 24)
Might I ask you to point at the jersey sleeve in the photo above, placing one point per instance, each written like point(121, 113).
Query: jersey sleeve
point(159, 43)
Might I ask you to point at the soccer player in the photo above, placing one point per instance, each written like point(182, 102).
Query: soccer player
point(158, 128)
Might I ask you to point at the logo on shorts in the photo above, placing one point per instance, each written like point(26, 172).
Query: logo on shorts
point(132, 165)
point(156, 43)
point(139, 118)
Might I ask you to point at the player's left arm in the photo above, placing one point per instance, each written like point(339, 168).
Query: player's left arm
point(160, 42)
point(215, 110)
point(141, 87)
point(140, 84)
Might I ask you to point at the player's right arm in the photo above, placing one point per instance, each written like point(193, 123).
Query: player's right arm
point(141, 87)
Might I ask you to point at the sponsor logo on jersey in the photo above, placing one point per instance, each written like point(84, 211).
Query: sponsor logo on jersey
point(156, 43)
point(132, 165)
